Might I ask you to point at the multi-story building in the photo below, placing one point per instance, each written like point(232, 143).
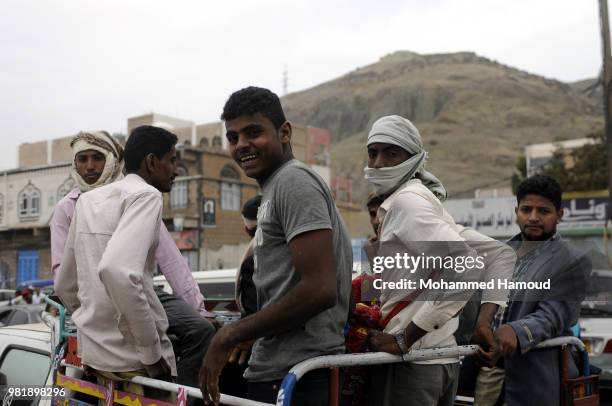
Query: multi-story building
point(27, 199)
point(539, 155)
point(202, 212)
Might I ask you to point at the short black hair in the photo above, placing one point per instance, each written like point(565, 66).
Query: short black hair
point(145, 140)
point(374, 200)
point(541, 185)
point(249, 210)
point(252, 100)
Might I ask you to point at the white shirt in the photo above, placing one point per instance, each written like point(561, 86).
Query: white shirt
point(106, 277)
point(412, 220)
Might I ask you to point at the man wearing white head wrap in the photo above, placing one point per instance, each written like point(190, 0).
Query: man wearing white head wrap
point(396, 130)
point(413, 220)
point(91, 147)
point(98, 161)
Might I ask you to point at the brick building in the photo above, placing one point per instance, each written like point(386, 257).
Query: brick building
point(202, 212)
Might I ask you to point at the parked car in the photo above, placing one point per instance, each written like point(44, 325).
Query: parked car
point(25, 357)
point(596, 333)
point(12, 315)
point(218, 288)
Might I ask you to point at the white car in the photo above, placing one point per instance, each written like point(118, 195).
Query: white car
point(596, 333)
point(25, 358)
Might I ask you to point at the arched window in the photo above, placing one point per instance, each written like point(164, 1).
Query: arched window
point(230, 172)
point(65, 188)
point(29, 201)
point(204, 142)
point(180, 190)
point(216, 141)
point(230, 191)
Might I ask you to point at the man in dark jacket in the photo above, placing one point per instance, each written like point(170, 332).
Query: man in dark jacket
point(537, 313)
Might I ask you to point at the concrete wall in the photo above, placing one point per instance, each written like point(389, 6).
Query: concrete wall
point(158, 120)
point(33, 154)
point(61, 151)
point(11, 242)
point(47, 180)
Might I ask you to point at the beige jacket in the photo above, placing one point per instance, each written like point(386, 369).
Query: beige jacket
point(106, 277)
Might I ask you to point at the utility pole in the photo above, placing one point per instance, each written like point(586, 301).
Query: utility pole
point(285, 81)
point(606, 83)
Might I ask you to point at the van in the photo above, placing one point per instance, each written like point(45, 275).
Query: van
point(217, 286)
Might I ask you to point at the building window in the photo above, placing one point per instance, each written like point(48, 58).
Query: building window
point(230, 172)
point(192, 259)
point(29, 201)
point(230, 196)
point(180, 190)
point(230, 192)
point(204, 142)
point(216, 142)
point(65, 188)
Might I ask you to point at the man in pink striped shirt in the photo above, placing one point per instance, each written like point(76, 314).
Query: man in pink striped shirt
point(98, 160)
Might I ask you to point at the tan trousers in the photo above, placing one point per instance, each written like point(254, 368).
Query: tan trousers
point(489, 383)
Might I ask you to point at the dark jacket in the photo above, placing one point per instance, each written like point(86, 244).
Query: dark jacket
point(532, 376)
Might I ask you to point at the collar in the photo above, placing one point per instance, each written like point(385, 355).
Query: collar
point(515, 242)
point(136, 177)
point(74, 194)
point(276, 171)
point(387, 203)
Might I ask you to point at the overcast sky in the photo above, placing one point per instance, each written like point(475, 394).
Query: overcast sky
point(67, 65)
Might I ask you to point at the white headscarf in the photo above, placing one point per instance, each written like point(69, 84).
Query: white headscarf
point(399, 131)
point(104, 143)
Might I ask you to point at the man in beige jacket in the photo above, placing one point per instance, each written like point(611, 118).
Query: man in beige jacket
point(106, 277)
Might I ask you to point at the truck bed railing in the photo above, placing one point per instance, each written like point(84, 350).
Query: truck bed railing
point(288, 384)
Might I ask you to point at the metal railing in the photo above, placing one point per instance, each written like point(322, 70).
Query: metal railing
point(288, 384)
point(330, 361)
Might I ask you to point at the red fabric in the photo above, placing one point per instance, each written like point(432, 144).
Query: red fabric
point(366, 316)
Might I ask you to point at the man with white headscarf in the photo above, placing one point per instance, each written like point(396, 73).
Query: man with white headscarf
point(413, 221)
point(98, 161)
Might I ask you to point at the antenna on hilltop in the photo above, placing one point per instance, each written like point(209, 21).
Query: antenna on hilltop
point(285, 81)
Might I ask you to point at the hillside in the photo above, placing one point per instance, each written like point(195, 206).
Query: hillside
point(475, 115)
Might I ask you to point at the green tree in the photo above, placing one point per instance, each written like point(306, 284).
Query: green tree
point(520, 172)
point(581, 169)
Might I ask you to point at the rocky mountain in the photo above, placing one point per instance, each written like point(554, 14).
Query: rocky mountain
point(475, 115)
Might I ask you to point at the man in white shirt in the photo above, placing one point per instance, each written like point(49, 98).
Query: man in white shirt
point(414, 222)
point(106, 275)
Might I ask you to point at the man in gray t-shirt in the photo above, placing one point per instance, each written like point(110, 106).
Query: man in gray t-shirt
point(303, 260)
point(296, 200)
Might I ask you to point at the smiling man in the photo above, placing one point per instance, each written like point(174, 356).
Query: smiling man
point(302, 259)
point(106, 274)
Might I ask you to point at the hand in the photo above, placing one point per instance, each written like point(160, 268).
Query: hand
point(159, 370)
point(89, 371)
point(214, 322)
point(371, 248)
point(487, 353)
point(379, 341)
point(215, 359)
point(241, 352)
point(506, 341)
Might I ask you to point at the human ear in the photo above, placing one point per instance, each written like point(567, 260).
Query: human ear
point(560, 213)
point(285, 131)
point(150, 162)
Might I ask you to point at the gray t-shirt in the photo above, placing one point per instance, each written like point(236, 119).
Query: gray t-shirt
point(296, 200)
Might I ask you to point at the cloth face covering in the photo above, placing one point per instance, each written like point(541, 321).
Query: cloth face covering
point(399, 131)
